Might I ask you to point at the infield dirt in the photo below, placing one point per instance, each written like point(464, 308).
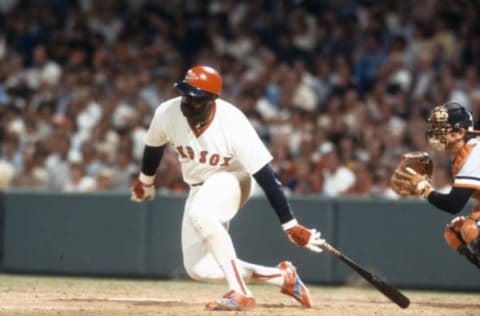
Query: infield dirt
point(67, 296)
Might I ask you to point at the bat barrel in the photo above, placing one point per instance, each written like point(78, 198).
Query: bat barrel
point(386, 289)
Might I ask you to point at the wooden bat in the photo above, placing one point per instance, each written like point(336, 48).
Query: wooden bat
point(389, 291)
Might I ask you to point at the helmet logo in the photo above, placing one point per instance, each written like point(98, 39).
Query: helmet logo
point(191, 76)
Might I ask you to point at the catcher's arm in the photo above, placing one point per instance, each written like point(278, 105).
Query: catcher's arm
point(452, 202)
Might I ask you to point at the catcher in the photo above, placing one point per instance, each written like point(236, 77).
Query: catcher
point(451, 131)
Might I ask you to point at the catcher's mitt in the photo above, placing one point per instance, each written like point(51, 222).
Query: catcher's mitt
point(412, 174)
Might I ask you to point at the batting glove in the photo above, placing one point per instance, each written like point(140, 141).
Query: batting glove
point(303, 237)
point(143, 188)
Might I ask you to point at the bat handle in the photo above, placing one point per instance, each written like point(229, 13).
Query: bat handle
point(326, 246)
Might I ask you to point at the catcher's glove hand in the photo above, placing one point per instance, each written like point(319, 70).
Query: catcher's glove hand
point(413, 175)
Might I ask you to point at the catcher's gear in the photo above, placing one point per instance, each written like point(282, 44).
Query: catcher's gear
point(444, 118)
point(413, 175)
point(303, 237)
point(470, 230)
point(201, 81)
point(462, 234)
point(142, 190)
point(452, 233)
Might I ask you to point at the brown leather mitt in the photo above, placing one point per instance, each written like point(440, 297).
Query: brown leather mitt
point(414, 171)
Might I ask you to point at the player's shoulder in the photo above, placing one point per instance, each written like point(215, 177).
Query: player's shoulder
point(169, 106)
point(228, 108)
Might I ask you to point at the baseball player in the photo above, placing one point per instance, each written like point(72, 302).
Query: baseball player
point(220, 153)
point(451, 131)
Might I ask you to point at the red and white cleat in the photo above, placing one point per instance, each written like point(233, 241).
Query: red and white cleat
point(231, 301)
point(293, 285)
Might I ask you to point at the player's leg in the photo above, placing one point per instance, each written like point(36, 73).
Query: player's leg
point(197, 258)
point(462, 235)
point(204, 237)
point(284, 275)
point(199, 249)
point(470, 232)
point(201, 265)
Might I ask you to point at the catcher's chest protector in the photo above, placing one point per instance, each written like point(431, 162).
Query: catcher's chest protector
point(459, 161)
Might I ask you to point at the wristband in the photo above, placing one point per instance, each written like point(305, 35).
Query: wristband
point(291, 223)
point(146, 180)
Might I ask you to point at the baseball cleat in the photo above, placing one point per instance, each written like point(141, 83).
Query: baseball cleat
point(231, 301)
point(293, 285)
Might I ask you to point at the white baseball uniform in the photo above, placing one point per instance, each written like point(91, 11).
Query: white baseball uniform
point(468, 173)
point(208, 156)
point(228, 143)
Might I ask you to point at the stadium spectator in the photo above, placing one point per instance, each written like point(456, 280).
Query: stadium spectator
point(82, 78)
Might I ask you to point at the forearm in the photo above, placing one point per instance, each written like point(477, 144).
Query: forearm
point(150, 162)
point(453, 202)
point(267, 180)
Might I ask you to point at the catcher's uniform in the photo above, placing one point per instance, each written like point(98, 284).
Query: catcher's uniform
point(462, 233)
point(466, 167)
point(227, 142)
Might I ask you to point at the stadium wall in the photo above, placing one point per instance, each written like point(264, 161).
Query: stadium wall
point(107, 235)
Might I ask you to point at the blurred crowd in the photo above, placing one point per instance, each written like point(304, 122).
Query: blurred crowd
point(338, 90)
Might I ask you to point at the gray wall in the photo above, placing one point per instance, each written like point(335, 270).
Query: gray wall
point(106, 234)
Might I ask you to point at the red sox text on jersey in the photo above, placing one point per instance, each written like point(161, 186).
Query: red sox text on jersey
point(203, 157)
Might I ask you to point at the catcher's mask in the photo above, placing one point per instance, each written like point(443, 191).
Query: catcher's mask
point(445, 118)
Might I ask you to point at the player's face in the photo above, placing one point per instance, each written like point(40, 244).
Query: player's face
point(196, 109)
point(454, 140)
point(450, 141)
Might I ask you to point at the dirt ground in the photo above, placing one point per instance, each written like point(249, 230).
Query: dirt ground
point(62, 296)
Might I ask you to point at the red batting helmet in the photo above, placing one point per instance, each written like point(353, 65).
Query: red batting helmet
point(201, 81)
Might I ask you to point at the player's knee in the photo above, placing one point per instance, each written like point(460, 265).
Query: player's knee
point(202, 223)
point(198, 272)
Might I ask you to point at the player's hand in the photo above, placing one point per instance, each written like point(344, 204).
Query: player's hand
point(304, 237)
point(142, 191)
point(410, 182)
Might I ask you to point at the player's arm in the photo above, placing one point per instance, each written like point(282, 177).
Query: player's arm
point(155, 142)
point(298, 234)
point(453, 202)
point(144, 188)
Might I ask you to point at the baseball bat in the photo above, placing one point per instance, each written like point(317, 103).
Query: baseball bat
point(386, 289)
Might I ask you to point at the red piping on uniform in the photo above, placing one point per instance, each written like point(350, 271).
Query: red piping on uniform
point(265, 276)
point(238, 277)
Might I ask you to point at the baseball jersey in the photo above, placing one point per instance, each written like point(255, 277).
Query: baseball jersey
point(227, 143)
point(466, 167)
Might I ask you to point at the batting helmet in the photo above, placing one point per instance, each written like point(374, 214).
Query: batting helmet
point(201, 81)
